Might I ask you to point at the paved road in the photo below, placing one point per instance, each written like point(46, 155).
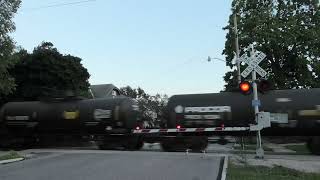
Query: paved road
point(112, 165)
point(212, 148)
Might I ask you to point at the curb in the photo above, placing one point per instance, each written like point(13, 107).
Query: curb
point(11, 160)
point(224, 169)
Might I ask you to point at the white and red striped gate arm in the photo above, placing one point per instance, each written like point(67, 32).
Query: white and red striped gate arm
point(182, 130)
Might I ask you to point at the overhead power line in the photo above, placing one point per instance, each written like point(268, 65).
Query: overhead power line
point(178, 66)
point(58, 5)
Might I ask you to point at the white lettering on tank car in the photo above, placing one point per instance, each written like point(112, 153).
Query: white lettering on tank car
point(209, 116)
point(192, 117)
point(17, 118)
point(283, 100)
point(102, 114)
point(208, 109)
point(212, 116)
point(207, 122)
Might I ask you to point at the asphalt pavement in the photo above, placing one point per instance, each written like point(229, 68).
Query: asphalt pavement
point(112, 165)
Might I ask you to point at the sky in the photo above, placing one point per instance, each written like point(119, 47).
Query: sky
point(161, 46)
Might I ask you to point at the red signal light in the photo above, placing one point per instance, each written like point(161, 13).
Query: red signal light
point(178, 126)
point(245, 87)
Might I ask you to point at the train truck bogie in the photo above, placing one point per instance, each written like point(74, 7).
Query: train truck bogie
point(184, 143)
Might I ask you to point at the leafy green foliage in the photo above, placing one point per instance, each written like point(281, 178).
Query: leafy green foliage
point(7, 11)
point(288, 32)
point(134, 93)
point(151, 107)
point(10, 155)
point(47, 73)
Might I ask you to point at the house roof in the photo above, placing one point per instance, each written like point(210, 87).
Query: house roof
point(103, 90)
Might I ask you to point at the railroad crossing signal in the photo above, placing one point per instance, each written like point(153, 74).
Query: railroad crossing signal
point(253, 64)
point(253, 67)
point(245, 87)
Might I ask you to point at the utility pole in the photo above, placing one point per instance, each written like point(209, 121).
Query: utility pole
point(260, 151)
point(237, 47)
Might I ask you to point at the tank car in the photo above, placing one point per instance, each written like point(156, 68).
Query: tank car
point(299, 109)
point(103, 118)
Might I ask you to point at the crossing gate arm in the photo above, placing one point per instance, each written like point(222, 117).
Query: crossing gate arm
point(190, 130)
point(262, 119)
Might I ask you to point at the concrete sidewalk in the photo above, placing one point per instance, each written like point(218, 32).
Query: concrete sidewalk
point(280, 148)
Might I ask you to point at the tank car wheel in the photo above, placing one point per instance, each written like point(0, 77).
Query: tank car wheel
point(109, 146)
point(103, 147)
point(133, 144)
point(314, 145)
point(169, 145)
point(139, 145)
point(222, 141)
point(199, 144)
point(131, 147)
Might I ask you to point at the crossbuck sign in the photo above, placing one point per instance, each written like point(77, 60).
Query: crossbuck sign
point(253, 64)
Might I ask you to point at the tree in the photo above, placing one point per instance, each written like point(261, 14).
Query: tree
point(7, 11)
point(152, 108)
point(47, 73)
point(287, 31)
point(134, 93)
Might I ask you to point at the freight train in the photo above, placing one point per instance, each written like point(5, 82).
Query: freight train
point(113, 121)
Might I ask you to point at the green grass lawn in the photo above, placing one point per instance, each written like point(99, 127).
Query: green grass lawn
point(10, 155)
point(302, 148)
point(246, 172)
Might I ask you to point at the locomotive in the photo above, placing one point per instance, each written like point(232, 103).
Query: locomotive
point(103, 118)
